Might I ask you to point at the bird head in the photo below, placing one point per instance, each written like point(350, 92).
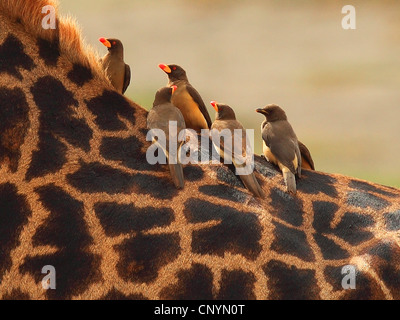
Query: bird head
point(112, 45)
point(224, 112)
point(163, 95)
point(272, 112)
point(173, 71)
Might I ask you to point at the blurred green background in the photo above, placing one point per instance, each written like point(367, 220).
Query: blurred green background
point(340, 88)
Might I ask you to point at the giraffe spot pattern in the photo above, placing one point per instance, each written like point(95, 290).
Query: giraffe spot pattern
point(160, 188)
point(351, 227)
point(49, 51)
point(290, 283)
point(142, 256)
point(107, 109)
point(390, 275)
point(286, 207)
point(13, 57)
point(312, 182)
point(366, 287)
point(193, 172)
point(364, 200)
point(367, 187)
point(330, 250)
point(80, 74)
point(224, 192)
point(66, 230)
point(118, 219)
point(42, 161)
point(291, 241)
point(236, 232)
point(386, 263)
point(193, 284)
point(236, 285)
point(392, 220)
point(96, 177)
point(226, 174)
point(57, 120)
point(127, 151)
point(324, 212)
point(383, 251)
point(333, 275)
point(14, 124)
point(14, 214)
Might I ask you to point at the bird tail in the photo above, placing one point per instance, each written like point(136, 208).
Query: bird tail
point(307, 161)
point(176, 171)
point(290, 181)
point(251, 183)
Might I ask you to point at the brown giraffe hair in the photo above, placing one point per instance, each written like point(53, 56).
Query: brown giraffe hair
point(67, 33)
point(76, 192)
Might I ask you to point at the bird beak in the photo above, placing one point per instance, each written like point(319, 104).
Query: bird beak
point(165, 68)
point(260, 110)
point(105, 42)
point(215, 105)
point(174, 89)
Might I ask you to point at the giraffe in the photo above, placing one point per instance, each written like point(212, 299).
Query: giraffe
point(77, 193)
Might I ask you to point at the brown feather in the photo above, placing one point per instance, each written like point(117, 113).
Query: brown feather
point(307, 161)
point(226, 150)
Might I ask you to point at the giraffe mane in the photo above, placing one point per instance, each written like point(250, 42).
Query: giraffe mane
point(28, 13)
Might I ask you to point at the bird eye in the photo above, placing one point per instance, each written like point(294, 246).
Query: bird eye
point(114, 43)
point(174, 68)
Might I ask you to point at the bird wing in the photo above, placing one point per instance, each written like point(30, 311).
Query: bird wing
point(197, 98)
point(127, 78)
point(281, 139)
point(305, 153)
point(227, 150)
point(298, 154)
point(159, 118)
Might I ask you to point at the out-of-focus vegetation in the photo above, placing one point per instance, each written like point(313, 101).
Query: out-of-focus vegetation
point(339, 88)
